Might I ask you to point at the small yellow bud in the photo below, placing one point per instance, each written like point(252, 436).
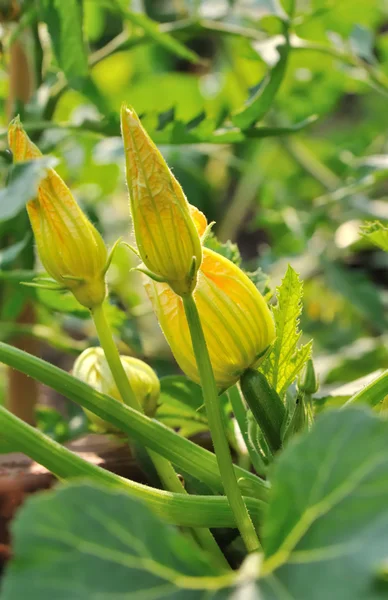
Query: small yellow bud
point(92, 368)
point(166, 235)
point(70, 248)
point(236, 320)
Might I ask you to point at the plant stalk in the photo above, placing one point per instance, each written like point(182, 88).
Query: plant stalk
point(216, 425)
point(163, 467)
point(178, 509)
point(188, 456)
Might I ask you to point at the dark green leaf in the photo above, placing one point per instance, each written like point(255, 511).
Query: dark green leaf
point(83, 542)
point(326, 533)
point(64, 23)
point(23, 185)
point(359, 291)
point(260, 103)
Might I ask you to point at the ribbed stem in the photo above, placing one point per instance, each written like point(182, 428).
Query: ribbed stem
point(216, 425)
point(164, 468)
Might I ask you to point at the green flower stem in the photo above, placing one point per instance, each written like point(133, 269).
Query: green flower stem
point(163, 467)
point(216, 425)
point(240, 413)
point(186, 455)
point(179, 509)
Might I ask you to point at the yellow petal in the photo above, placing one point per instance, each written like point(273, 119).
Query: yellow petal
point(70, 248)
point(237, 323)
point(165, 232)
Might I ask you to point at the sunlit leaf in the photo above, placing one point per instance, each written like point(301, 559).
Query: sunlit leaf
point(286, 360)
point(377, 233)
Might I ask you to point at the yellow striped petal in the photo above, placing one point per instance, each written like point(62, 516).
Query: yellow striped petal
point(237, 323)
point(70, 248)
point(166, 235)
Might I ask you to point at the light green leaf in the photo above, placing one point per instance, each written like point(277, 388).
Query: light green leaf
point(64, 21)
point(152, 30)
point(8, 255)
point(23, 185)
point(113, 546)
point(227, 249)
point(286, 360)
point(377, 233)
point(326, 532)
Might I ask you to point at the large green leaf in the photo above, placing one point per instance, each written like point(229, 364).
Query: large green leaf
point(326, 532)
point(64, 21)
point(83, 542)
point(325, 535)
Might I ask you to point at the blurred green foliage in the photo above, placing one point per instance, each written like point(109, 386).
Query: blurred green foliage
point(273, 117)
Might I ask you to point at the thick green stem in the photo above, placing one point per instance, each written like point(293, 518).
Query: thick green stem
point(179, 509)
point(216, 425)
point(188, 456)
point(164, 468)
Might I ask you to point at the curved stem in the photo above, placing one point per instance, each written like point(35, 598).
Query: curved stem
point(188, 456)
point(163, 467)
point(179, 509)
point(215, 418)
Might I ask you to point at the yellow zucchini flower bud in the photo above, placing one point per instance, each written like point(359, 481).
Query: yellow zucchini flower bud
point(92, 368)
point(237, 323)
point(166, 235)
point(70, 248)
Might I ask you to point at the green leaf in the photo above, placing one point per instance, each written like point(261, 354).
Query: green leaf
point(64, 21)
point(362, 43)
point(261, 280)
point(181, 405)
point(113, 547)
point(359, 292)
point(8, 255)
point(23, 185)
point(227, 249)
point(325, 534)
point(286, 360)
point(374, 393)
point(259, 104)
point(152, 29)
point(326, 531)
point(377, 233)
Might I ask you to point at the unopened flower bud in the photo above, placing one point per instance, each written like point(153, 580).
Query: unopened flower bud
point(166, 235)
point(237, 323)
point(309, 381)
point(70, 248)
point(92, 368)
